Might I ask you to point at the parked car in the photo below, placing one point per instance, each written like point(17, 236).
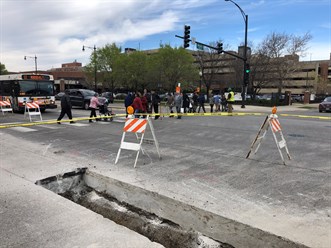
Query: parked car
point(109, 96)
point(325, 105)
point(59, 95)
point(120, 95)
point(296, 98)
point(81, 97)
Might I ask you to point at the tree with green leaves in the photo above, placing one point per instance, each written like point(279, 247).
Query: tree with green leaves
point(104, 60)
point(3, 69)
point(173, 65)
point(137, 70)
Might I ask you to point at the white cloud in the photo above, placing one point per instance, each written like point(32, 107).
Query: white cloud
point(56, 30)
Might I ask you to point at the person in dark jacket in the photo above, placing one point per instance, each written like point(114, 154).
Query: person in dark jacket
point(195, 101)
point(149, 101)
point(65, 107)
point(201, 101)
point(186, 102)
point(127, 102)
point(155, 103)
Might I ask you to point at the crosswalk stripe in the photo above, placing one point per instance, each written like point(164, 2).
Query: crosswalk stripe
point(76, 124)
point(23, 129)
point(103, 122)
point(49, 126)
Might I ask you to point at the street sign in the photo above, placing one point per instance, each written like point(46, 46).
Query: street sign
point(193, 40)
point(200, 47)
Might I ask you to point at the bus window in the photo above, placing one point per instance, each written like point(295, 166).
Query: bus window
point(6, 89)
point(46, 88)
point(28, 88)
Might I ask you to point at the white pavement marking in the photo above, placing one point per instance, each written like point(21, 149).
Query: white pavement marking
point(76, 124)
point(12, 123)
point(120, 119)
point(103, 122)
point(50, 126)
point(23, 129)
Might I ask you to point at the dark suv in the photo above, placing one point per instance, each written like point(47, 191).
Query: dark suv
point(81, 97)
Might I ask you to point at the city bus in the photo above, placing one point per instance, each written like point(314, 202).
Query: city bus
point(23, 88)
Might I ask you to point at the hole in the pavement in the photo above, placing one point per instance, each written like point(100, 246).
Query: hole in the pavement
point(73, 186)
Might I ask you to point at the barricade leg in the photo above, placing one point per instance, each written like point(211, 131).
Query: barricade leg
point(154, 137)
point(259, 138)
point(119, 150)
point(286, 149)
point(279, 149)
point(141, 141)
point(139, 138)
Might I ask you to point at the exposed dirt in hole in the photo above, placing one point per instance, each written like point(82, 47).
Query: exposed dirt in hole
point(157, 229)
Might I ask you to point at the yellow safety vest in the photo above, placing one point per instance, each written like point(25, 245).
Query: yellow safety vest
point(231, 99)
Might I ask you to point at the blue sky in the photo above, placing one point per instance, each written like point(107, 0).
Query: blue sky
point(56, 30)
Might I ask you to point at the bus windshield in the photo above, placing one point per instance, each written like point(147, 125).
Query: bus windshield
point(34, 88)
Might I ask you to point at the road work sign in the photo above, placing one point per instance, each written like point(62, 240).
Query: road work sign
point(32, 109)
point(136, 126)
point(273, 122)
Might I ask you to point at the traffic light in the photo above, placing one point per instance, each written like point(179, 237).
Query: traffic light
point(219, 48)
point(187, 36)
point(247, 71)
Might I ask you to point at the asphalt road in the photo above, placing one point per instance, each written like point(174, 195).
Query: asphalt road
point(204, 164)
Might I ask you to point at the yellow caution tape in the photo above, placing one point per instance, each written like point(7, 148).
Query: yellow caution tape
point(308, 116)
point(48, 122)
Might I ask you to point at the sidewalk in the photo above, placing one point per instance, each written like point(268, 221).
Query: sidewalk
point(32, 216)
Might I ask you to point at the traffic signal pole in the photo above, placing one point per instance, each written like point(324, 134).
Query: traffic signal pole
point(245, 77)
point(220, 50)
point(214, 48)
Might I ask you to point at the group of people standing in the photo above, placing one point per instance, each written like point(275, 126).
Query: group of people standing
point(145, 102)
point(221, 102)
point(184, 104)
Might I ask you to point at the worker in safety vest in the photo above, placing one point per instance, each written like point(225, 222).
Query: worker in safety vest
point(230, 100)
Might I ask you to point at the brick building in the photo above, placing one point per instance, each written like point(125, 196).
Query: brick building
point(69, 75)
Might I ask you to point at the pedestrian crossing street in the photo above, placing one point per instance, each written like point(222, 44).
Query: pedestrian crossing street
point(55, 126)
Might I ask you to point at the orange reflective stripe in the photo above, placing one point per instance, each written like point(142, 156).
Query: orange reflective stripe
point(129, 123)
point(275, 125)
point(32, 105)
point(5, 103)
point(140, 128)
point(135, 125)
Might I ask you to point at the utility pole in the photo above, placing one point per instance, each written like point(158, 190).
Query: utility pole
point(95, 65)
point(245, 77)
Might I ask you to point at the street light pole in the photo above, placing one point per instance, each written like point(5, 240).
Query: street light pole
point(35, 61)
point(95, 65)
point(244, 86)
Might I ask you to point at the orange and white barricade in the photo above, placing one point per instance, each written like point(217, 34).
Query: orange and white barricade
point(273, 122)
point(5, 106)
point(136, 126)
point(32, 109)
